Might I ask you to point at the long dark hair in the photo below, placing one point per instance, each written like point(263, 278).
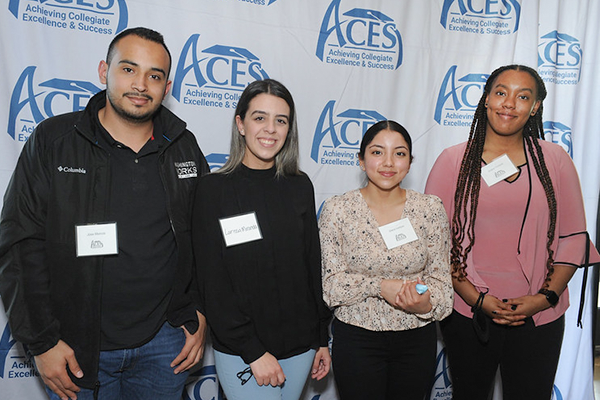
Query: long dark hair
point(466, 197)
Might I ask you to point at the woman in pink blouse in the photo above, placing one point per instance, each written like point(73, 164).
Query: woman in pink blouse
point(380, 245)
point(518, 234)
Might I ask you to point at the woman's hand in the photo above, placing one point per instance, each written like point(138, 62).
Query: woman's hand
point(389, 290)
point(410, 301)
point(502, 312)
point(267, 371)
point(526, 306)
point(321, 364)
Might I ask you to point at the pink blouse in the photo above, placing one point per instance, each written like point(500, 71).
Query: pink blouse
point(509, 255)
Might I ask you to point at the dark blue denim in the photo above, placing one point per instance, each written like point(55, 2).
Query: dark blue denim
point(140, 373)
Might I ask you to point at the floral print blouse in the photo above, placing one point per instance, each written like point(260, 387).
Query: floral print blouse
point(355, 260)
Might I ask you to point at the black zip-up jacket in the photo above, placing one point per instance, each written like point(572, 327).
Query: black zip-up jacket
point(61, 180)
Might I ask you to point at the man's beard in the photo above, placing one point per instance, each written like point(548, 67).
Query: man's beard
point(129, 116)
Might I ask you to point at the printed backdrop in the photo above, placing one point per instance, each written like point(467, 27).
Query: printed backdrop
point(348, 63)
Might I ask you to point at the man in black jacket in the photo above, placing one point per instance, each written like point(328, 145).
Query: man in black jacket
point(95, 246)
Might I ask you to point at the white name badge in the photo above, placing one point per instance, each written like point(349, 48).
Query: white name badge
point(398, 233)
point(499, 169)
point(240, 229)
point(96, 239)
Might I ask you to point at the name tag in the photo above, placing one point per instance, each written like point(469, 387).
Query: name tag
point(499, 169)
point(240, 229)
point(398, 233)
point(96, 239)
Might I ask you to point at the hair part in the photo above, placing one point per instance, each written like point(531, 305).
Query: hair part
point(466, 197)
point(144, 33)
point(287, 160)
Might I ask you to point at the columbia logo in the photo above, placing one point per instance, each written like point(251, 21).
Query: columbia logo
point(72, 170)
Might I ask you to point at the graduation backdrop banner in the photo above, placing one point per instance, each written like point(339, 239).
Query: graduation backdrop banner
point(348, 64)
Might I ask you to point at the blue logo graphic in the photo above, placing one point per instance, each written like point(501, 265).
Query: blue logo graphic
point(206, 385)
point(556, 394)
point(30, 104)
point(337, 137)
point(216, 160)
point(458, 98)
point(5, 345)
point(442, 385)
point(259, 2)
point(13, 366)
point(560, 134)
point(103, 17)
point(559, 59)
point(359, 38)
point(216, 76)
point(481, 17)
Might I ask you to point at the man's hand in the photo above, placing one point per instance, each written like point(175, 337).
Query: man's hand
point(52, 366)
point(192, 351)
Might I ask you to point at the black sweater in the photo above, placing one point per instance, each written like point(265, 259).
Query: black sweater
point(265, 295)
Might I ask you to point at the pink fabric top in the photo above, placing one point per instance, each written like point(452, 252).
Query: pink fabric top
point(509, 255)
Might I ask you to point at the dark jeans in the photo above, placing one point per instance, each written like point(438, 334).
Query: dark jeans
point(141, 373)
point(527, 356)
point(383, 365)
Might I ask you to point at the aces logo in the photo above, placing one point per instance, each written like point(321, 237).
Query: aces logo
point(359, 37)
point(205, 385)
point(30, 104)
point(442, 385)
point(560, 134)
point(103, 17)
point(481, 17)
point(458, 98)
point(216, 76)
point(338, 135)
point(13, 364)
point(559, 58)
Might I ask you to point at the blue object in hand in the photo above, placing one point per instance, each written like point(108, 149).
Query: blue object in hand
point(421, 288)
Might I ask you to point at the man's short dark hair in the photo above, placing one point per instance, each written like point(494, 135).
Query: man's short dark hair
point(142, 32)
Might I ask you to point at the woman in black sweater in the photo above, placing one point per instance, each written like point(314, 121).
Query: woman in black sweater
point(258, 255)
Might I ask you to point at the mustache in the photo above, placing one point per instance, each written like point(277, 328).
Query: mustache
point(134, 94)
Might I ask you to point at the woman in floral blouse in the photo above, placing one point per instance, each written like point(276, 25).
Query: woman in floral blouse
point(382, 245)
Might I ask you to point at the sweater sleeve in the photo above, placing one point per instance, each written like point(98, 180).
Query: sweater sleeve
point(224, 306)
point(340, 286)
point(313, 247)
point(24, 274)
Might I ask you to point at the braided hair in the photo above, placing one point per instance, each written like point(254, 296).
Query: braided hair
point(466, 197)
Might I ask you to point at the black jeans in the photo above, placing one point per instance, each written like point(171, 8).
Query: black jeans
point(383, 365)
point(527, 356)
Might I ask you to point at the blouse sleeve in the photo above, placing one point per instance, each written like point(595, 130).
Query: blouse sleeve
point(340, 286)
point(571, 215)
point(437, 270)
point(224, 307)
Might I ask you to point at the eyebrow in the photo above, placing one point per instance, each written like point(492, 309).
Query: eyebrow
point(521, 89)
point(378, 145)
point(266, 113)
point(137, 65)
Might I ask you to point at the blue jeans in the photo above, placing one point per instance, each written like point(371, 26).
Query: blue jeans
point(140, 373)
point(296, 370)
